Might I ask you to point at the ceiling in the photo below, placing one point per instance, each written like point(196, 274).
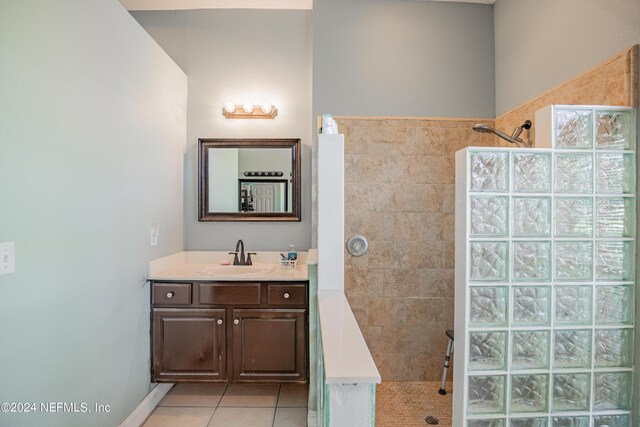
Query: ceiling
point(238, 4)
point(215, 4)
point(467, 1)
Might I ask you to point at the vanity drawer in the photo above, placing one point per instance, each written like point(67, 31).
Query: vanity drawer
point(171, 294)
point(245, 293)
point(283, 294)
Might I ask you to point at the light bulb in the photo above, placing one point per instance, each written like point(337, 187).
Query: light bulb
point(267, 108)
point(247, 107)
point(229, 107)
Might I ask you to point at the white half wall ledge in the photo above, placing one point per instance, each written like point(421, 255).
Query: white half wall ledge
point(216, 4)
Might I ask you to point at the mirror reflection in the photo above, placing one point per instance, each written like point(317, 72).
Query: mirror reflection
point(249, 180)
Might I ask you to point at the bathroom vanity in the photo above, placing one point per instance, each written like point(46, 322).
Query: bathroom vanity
point(208, 324)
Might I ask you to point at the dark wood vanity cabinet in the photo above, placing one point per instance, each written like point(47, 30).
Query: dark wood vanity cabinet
point(269, 344)
point(229, 331)
point(189, 344)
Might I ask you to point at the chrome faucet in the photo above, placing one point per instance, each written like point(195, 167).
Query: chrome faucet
point(240, 250)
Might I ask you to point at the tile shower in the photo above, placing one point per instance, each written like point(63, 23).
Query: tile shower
point(545, 253)
point(399, 182)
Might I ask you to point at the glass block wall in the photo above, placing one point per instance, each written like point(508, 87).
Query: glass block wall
point(545, 250)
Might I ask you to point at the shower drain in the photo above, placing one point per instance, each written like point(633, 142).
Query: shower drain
point(431, 420)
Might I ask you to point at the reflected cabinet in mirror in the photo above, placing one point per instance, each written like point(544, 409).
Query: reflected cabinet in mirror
point(249, 180)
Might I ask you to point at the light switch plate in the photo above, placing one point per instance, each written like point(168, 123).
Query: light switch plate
point(7, 258)
point(155, 232)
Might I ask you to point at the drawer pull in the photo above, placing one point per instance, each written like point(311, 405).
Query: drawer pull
point(236, 322)
point(170, 294)
point(219, 321)
point(286, 295)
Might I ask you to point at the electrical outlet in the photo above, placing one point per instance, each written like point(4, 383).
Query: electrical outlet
point(7, 258)
point(155, 232)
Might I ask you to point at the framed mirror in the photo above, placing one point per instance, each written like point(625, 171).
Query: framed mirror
point(249, 180)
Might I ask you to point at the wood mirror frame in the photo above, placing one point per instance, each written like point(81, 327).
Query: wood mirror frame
point(204, 144)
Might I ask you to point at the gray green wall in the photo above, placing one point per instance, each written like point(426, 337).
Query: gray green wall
point(92, 129)
point(238, 56)
point(403, 58)
point(542, 43)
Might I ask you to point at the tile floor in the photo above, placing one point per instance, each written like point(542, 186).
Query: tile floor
point(234, 405)
point(408, 403)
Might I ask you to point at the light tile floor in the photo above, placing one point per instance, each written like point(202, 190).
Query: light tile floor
point(234, 405)
point(408, 403)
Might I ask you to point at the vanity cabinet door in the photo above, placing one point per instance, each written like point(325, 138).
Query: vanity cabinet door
point(189, 345)
point(269, 345)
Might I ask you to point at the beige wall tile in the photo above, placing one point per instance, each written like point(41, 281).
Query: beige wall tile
point(436, 169)
point(436, 283)
point(373, 337)
point(386, 311)
point(392, 197)
point(399, 227)
point(449, 254)
point(427, 141)
point(364, 168)
point(389, 366)
point(425, 254)
point(449, 199)
point(409, 338)
point(434, 344)
point(359, 307)
point(386, 254)
point(356, 196)
point(403, 282)
point(356, 261)
point(432, 226)
point(369, 224)
point(364, 282)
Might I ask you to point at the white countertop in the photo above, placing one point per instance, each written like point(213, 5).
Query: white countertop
point(192, 265)
point(347, 359)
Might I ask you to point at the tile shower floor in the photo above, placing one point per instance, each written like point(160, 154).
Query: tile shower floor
point(408, 403)
point(235, 405)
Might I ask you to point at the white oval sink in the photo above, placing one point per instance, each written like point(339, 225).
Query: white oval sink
point(237, 270)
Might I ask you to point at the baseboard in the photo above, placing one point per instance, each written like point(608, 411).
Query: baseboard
point(146, 407)
point(312, 418)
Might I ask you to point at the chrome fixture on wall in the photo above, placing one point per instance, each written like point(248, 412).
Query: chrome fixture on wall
point(515, 136)
point(357, 245)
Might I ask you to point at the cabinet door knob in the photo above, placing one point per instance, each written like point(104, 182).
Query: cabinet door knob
point(170, 294)
point(286, 295)
point(236, 322)
point(219, 321)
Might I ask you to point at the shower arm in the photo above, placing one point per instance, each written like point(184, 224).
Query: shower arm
point(514, 140)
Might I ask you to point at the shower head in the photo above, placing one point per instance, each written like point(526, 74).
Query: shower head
point(514, 138)
point(482, 128)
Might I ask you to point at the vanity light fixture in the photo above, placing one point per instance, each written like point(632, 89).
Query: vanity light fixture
point(264, 173)
point(249, 111)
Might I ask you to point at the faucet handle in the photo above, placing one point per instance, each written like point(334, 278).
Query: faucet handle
point(249, 262)
point(235, 257)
